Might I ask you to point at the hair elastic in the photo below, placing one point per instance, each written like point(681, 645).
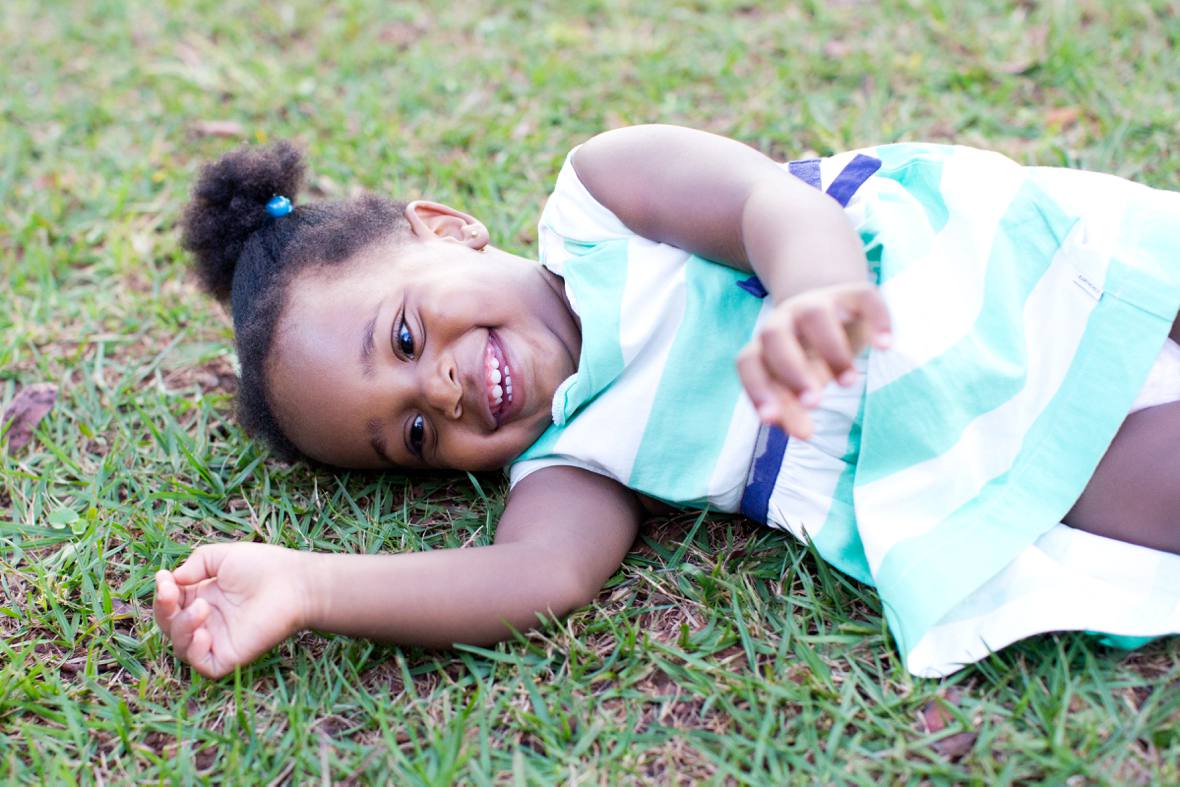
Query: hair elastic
point(278, 206)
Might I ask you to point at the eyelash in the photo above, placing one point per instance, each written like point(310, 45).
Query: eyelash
point(402, 333)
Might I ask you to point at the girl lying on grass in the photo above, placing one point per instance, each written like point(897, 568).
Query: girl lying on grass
point(950, 373)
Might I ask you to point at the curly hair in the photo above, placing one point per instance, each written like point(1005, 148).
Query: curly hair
point(246, 258)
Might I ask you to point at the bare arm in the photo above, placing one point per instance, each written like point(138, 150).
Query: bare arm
point(563, 533)
point(722, 200)
point(727, 202)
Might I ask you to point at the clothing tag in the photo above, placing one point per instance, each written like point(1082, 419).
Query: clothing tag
point(1090, 288)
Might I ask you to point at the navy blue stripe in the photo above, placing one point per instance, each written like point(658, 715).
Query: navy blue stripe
point(772, 441)
point(753, 285)
point(852, 177)
point(768, 459)
point(807, 170)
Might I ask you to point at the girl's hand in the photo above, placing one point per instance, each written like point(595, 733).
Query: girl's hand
point(229, 603)
point(808, 341)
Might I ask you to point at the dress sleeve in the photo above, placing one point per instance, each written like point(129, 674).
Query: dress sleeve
point(574, 220)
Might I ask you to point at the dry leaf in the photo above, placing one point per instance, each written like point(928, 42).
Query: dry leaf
point(25, 411)
point(1062, 117)
point(936, 716)
point(1033, 56)
point(218, 128)
point(121, 609)
point(836, 49)
point(401, 34)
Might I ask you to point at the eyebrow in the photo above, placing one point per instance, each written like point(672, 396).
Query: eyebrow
point(377, 440)
point(367, 347)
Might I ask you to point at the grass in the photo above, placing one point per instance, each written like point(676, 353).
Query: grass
point(720, 652)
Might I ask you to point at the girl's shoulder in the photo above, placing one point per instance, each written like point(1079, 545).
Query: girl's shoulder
point(573, 215)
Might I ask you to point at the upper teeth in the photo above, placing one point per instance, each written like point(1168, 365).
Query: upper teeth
point(499, 380)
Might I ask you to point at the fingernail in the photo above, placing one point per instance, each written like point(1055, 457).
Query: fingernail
point(809, 398)
point(883, 341)
point(848, 378)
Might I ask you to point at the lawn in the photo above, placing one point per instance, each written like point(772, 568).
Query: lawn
point(721, 652)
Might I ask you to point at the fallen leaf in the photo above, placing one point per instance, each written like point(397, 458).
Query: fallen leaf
point(1034, 52)
point(935, 718)
point(836, 49)
point(1062, 117)
point(401, 34)
point(25, 411)
point(218, 128)
point(189, 55)
point(121, 609)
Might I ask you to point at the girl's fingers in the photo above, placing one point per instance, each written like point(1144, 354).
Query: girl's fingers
point(824, 336)
point(794, 418)
point(200, 652)
point(787, 365)
point(757, 383)
point(185, 624)
point(775, 403)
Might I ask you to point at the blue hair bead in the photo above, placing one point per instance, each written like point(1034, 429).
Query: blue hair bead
point(278, 206)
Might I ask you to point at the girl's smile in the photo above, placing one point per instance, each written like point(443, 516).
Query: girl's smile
point(438, 351)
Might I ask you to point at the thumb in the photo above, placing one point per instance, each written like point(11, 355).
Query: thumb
point(867, 316)
point(202, 564)
point(876, 314)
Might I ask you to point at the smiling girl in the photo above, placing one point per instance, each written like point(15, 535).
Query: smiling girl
point(950, 373)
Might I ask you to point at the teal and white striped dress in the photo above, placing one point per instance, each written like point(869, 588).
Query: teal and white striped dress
point(1029, 307)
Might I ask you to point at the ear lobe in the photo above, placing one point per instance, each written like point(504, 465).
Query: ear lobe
point(436, 220)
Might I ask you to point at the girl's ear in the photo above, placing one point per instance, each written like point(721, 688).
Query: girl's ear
point(435, 220)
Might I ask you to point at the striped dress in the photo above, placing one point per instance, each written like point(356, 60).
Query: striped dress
point(1029, 307)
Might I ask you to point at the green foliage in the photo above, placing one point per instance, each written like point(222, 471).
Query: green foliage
point(719, 652)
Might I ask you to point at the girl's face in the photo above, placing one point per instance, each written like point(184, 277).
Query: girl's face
point(438, 352)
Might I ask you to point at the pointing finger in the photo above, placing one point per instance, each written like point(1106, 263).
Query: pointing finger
point(757, 382)
point(167, 602)
point(775, 403)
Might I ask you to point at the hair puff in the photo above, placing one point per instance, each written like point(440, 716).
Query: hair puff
point(228, 206)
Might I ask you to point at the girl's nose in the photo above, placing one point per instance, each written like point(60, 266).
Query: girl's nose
point(443, 390)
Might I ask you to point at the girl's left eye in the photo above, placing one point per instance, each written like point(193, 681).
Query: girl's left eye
point(403, 339)
point(417, 435)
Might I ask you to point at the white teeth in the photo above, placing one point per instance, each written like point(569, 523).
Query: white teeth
point(498, 378)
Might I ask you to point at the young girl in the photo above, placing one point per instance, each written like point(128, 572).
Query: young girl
point(951, 373)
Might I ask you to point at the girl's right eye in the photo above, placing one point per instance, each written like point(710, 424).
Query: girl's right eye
point(403, 339)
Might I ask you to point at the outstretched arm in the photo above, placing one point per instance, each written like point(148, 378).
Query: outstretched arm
point(727, 202)
point(228, 603)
